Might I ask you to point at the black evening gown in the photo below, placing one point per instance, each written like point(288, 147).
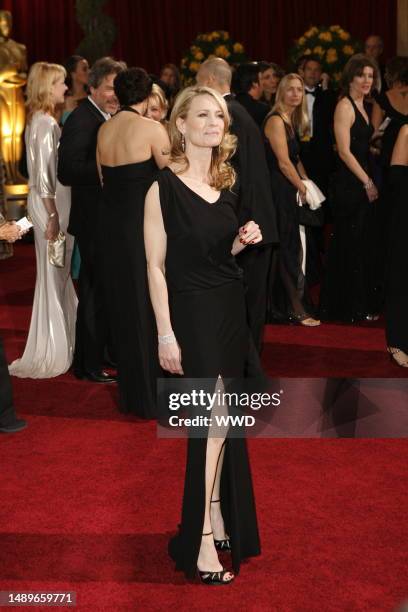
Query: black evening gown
point(288, 291)
point(348, 290)
point(125, 282)
point(208, 314)
point(386, 201)
point(397, 281)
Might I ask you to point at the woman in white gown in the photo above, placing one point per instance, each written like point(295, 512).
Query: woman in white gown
point(51, 337)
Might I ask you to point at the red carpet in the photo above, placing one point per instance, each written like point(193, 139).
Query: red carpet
point(89, 497)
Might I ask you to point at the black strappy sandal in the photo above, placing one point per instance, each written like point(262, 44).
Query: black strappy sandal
point(214, 578)
point(221, 545)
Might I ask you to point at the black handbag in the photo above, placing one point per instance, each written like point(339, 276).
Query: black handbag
point(309, 217)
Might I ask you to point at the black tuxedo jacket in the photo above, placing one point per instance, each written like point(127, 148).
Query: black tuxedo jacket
point(319, 150)
point(253, 184)
point(77, 167)
point(257, 110)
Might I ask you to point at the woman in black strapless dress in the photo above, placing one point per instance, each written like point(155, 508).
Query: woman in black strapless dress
point(348, 291)
point(191, 237)
point(130, 148)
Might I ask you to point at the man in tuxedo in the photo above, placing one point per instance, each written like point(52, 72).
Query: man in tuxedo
point(77, 168)
point(248, 90)
point(254, 190)
point(9, 423)
point(316, 150)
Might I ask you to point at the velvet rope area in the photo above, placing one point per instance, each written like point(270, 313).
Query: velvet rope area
point(150, 34)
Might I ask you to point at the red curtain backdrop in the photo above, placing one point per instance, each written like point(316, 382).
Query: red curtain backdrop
point(158, 31)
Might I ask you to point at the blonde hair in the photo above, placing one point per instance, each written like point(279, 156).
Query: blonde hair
point(222, 174)
point(158, 94)
point(300, 117)
point(41, 78)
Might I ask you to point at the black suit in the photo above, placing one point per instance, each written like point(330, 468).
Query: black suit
point(258, 110)
point(256, 203)
point(7, 412)
point(317, 157)
point(77, 168)
point(317, 154)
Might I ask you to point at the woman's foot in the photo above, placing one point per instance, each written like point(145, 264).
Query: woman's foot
point(210, 569)
point(398, 356)
point(310, 322)
point(304, 319)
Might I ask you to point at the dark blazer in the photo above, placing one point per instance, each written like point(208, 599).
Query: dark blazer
point(253, 184)
point(317, 155)
point(257, 110)
point(77, 166)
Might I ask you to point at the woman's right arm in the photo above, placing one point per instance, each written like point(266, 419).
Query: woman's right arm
point(156, 245)
point(343, 120)
point(276, 134)
point(45, 143)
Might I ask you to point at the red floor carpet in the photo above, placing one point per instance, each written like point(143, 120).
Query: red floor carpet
point(89, 497)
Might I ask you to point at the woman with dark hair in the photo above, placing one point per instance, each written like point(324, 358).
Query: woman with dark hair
point(397, 293)
point(270, 77)
point(192, 237)
point(77, 81)
point(348, 293)
point(129, 150)
point(391, 106)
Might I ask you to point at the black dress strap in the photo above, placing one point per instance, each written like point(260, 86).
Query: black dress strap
point(130, 109)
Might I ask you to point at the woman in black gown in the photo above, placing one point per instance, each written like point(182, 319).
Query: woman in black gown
point(289, 295)
point(348, 292)
point(130, 148)
point(397, 287)
point(393, 106)
point(191, 237)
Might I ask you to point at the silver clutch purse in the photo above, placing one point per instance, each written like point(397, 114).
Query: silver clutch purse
point(56, 251)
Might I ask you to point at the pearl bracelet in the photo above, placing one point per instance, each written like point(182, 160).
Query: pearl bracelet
point(368, 184)
point(167, 339)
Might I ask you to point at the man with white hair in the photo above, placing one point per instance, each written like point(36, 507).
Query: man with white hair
point(254, 190)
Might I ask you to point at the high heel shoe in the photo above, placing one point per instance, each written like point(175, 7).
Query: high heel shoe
point(221, 545)
point(214, 578)
point(398, 356)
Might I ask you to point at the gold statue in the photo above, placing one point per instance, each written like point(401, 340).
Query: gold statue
point(13, 67)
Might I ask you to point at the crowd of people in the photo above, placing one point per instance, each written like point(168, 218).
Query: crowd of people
point(178, 199)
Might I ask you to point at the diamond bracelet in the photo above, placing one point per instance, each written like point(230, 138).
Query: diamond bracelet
point(167, 339)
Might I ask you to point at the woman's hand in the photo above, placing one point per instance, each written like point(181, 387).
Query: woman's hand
point(52, 229)
point(170, 357)
point(10, 232)
point(372, 192)
point(302, 195)
point(249, 233)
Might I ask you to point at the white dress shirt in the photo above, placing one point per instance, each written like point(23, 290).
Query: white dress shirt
point(105, 115)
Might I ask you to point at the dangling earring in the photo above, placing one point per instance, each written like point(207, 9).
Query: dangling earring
point(183, 143)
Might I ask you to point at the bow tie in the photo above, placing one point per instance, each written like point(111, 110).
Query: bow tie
point(311, 93)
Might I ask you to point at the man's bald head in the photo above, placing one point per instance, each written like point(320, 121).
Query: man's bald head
point(215, 73)
point(374, 46)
